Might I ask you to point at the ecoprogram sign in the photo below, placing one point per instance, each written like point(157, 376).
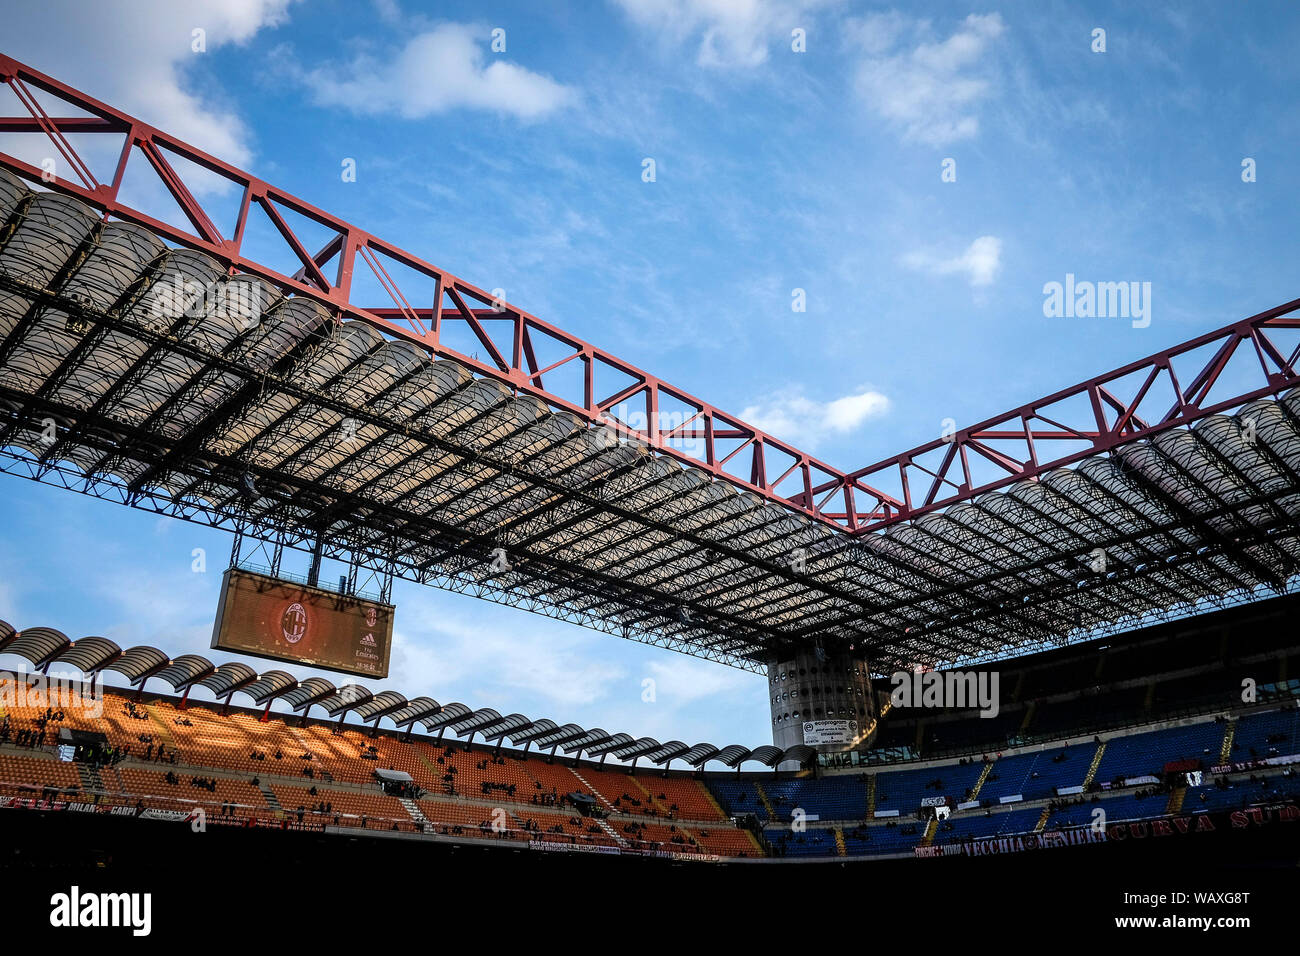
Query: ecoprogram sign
point(1101, 300)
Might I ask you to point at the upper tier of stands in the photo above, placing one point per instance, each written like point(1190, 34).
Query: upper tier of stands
point(1177, 669)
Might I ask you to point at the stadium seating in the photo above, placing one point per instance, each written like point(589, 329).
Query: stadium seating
point(240, 769)
point(1124, 806)
point(986, 824)
point(882, 839)
point(831, 798)
point(175, 759)
point(815, 841)
point(27, 770)
point(1037, 774)
point(903, 790)
point(1235, 795)
point(1133, 755)
point(739, 795)
point(1266, 734)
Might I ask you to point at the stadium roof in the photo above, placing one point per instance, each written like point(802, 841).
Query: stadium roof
point(42, 647)
point(195, 383)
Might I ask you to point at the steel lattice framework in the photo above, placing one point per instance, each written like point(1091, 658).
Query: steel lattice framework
point(161, 367)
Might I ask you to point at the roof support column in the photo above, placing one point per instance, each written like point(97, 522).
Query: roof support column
point(821, 699)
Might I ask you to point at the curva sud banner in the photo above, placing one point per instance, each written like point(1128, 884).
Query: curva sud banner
point(1188, 824)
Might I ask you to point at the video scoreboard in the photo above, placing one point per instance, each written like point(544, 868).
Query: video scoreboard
point(284, 621)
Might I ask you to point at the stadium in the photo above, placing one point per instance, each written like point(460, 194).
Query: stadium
point(1044, 650)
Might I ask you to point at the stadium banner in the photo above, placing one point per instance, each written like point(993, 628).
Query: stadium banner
point(829, 732)
point(1068, 791)
point(1264, 815)
point(1022, 843)
point(72, 806)
point(1256, 764)
point(700, 857)
point(1141, 781)
point(931, 802)
point(886, 813)
point(549, 847)
point(1012, 798)
point(1185, 825)
point(158, 813)
point(33, 803)
point(968, 805)
point(267, 617)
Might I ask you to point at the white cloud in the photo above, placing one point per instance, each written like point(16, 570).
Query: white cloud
point(547, 666)
point(795, 417)
point(135, 55)
point(979, 263)
point(438, 70)
point(730, 33)
point(929, 89)
point(681, 680)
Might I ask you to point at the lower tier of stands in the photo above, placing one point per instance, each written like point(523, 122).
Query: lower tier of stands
point(162, 758)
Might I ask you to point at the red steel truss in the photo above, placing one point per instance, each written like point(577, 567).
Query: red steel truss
point(1063, 428)
point(1180, 385)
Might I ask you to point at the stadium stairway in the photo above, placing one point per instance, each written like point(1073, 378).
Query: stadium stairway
point(1042, 820)
point(1176, 800)
point(767, 804)
point(931, 829)
point(979, 784)
point(90, 778)
point(599, 796)
point(605, 825)
point(409, 806)
point(650, 799)
point(272, 800)
point(430, 765)
point(163, 730)
point(1096, 762)
point(871, 795)
point(1225, 752)
point(841, 848)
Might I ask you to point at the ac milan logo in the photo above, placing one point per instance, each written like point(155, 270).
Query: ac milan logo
point(293, 623)
point(372, 617)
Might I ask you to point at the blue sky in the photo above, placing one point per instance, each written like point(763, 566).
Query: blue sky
point(776, 170)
